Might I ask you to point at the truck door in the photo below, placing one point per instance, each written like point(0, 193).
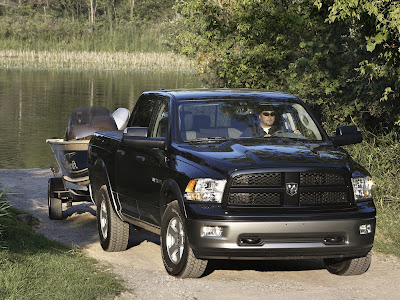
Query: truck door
point(149, 200)
point(131, 166)
point(137, 169)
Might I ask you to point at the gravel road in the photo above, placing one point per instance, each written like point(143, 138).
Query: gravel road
point(142, 270)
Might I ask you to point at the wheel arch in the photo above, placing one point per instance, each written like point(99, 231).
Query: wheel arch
point(99, 177)
point(171, 191)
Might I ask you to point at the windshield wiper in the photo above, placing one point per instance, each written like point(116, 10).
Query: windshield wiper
point(207, 140)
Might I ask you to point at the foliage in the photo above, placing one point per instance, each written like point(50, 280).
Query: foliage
point(92, 25)
point(85, 60)
point(310, 49)
point(3, 212)
point(381, 156)
point(378, 24)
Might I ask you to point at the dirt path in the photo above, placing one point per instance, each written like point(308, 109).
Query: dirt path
point(142, 269)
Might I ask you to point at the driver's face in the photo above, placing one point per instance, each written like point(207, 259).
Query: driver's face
point(267, 117)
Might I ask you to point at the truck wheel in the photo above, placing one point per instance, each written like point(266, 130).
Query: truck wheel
point(348, 266)
point(54, 204)
point(113, 232)
point(177, 255)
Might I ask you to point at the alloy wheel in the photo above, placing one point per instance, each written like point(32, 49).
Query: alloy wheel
point(175, 240)
point(104, 219)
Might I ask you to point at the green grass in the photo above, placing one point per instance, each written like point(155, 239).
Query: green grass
point(380, 155)
point(387, 237)
point(34, 267)
point(46, 33)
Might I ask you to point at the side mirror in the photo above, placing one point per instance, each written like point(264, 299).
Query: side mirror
point(136, 137)
point(136, 131)
point(347, 135)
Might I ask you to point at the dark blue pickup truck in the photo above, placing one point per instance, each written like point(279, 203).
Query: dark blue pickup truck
point(232, 174)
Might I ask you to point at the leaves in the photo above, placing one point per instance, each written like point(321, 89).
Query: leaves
point(343, 59)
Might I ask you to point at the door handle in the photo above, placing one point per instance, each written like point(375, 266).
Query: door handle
point(140, 158)
point(121, 152)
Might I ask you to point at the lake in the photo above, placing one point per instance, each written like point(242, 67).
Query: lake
point(36, 104)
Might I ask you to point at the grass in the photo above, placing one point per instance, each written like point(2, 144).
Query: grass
point(84, 60)
point(41, 32)
point(34, 267)
point(380, 155)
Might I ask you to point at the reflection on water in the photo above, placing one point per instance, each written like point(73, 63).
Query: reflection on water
point(36, 105)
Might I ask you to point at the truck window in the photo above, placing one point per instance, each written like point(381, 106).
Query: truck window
point(161, 121)
point(232, 119)
point(143, 111)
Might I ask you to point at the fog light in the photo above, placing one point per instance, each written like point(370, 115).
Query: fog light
point(365, 228)
point(215, 231)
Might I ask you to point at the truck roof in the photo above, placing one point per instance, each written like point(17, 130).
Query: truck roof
point(202, 93)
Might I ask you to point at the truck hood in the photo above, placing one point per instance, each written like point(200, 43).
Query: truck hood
point(234, 155)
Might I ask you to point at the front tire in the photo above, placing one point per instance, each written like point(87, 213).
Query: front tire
point(348, 266)
point(113, 232)
point(177, 255)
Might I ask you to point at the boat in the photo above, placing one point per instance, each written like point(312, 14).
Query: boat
point(71, 153)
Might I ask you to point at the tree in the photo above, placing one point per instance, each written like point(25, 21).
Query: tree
point(378, 23)
point(315, 51)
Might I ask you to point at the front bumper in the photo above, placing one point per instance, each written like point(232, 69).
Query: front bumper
point(283, 238)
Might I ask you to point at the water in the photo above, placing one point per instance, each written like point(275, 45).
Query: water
point(36, 105)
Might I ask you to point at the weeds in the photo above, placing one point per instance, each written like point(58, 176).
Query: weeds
point(380, 155)
point(40, 33)
point(3, 213)
point(72, 60)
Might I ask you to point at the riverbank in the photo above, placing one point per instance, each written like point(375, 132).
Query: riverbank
point(33, 265)
point(85, 60)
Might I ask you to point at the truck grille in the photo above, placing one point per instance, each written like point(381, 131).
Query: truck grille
point(257, 179)
point(321, 179)
point(255, 199)
point(273, 189)
point(321, 198)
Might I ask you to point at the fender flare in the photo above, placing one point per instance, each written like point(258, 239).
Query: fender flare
point(169, 187)
point(99, 178)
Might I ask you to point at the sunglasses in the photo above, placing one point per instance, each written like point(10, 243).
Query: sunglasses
point(267, 114)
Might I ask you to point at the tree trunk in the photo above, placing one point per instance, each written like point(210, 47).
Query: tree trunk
point(132, 8)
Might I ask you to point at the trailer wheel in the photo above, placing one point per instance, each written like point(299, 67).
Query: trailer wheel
point(113, 232)
point(54, 203)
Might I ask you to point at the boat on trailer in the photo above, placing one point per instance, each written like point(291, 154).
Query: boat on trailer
point(71, 154)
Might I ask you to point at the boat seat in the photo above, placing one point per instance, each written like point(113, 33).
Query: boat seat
point(85, 121)
point(121, 117)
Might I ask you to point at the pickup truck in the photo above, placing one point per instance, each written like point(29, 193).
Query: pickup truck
point(232, 174)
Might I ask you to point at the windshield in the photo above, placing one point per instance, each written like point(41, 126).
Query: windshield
point(216, 120)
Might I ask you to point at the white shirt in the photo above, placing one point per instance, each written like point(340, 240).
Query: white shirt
point(267, 130)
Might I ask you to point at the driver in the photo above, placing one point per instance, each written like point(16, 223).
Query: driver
point(268, 121)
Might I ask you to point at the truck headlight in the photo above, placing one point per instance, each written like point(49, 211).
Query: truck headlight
point(362, 187)
point(205, 189)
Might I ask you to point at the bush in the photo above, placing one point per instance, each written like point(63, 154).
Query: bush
point(381, 156)
point(3, 212)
